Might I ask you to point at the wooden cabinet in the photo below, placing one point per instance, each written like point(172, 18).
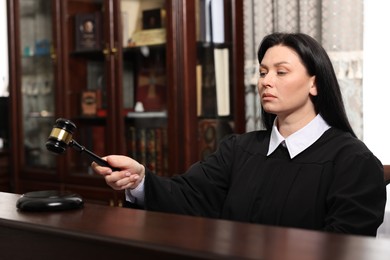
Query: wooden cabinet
point(5, 184)
point(132, 86)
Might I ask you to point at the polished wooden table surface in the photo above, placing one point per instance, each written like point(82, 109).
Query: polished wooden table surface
point(98, 232)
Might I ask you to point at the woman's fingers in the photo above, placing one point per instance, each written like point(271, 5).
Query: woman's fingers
point(121, 180)
point(102, 170)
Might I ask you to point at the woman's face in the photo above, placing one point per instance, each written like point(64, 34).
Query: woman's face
point(284, 84)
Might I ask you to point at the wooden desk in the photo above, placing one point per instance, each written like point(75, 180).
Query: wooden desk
point(98, 232)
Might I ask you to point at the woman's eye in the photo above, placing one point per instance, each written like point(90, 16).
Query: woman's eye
point(262, 74)
point(280, 72)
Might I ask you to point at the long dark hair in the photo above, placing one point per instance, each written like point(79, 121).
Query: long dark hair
point(328, 102)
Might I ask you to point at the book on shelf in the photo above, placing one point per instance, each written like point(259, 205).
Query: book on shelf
point(217, 20)
point(211, 21)
point(208, 90)
point(199, 89)
point(141, 145)
point(213, 82)
point(165, 152)
point(160, 153)
point(148, 145)
point(203, 23)
point(222, 84)
point(89, 30)
point(197, 21)
point(89, 102)
point(151, 152)
point(207, 138)
point(132, 142)
point(98, 139)
point(93, 137)
point(211, 131)
point(128, 85)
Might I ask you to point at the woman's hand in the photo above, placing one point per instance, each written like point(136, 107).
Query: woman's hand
point(129, 176)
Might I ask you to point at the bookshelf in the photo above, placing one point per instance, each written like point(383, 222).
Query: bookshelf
point(138, 89)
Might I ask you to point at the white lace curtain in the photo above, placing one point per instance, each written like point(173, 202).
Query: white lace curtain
point(337, 25)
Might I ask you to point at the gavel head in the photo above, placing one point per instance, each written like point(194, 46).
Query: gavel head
point(61, 136)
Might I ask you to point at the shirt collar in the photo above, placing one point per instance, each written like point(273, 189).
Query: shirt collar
point(301, 139)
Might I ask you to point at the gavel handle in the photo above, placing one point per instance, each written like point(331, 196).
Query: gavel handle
point(91, 155)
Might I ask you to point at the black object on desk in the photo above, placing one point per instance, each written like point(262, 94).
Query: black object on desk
point(49, 200)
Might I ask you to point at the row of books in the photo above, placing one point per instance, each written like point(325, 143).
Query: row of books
point(149, 147)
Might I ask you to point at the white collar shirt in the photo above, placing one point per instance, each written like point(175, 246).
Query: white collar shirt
point(301, 139)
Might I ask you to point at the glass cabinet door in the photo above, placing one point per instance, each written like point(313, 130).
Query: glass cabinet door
point(144, 82)
point(87, 82)
point(37, 80)
point(115, 78)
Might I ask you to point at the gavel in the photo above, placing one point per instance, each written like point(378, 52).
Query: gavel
point(61, 137)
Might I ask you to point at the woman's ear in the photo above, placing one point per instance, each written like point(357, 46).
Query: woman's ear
point(313, 88)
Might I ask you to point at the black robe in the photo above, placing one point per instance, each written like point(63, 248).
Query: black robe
point(335, 185)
